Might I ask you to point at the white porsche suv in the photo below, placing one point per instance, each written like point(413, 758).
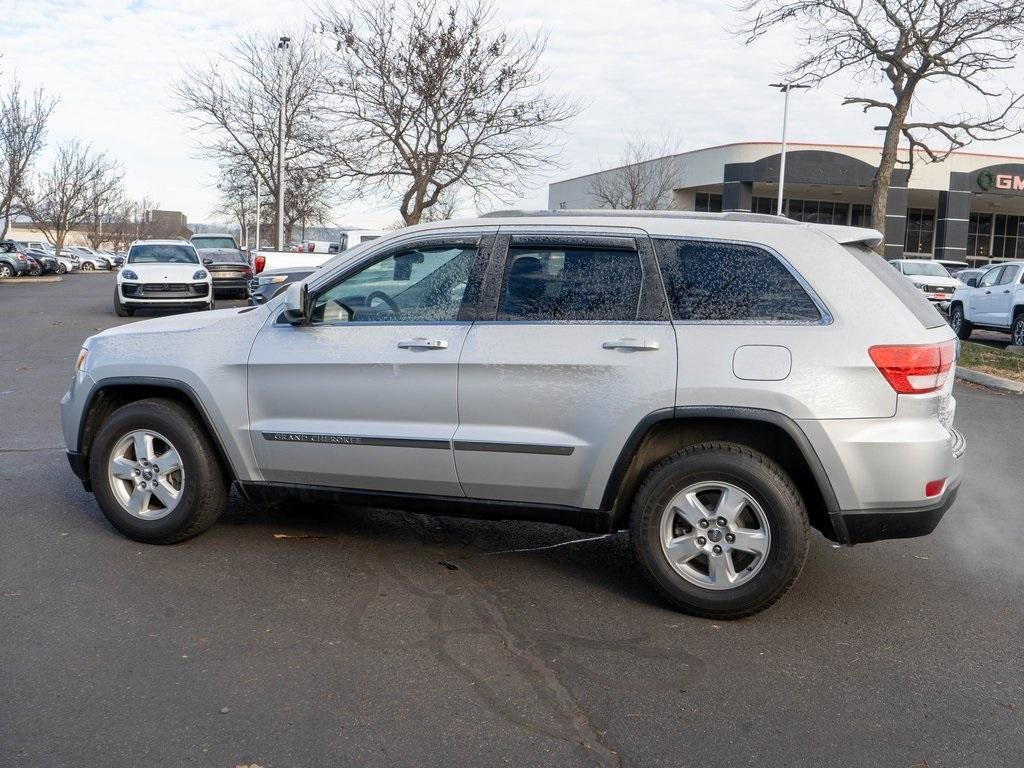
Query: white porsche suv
point(162, 274)
point(717, 384)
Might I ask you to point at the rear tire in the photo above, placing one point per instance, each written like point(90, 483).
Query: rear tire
point(176, 435)
point(88, 266)
point(62, 269)
point(961, 326)
point(715, 569)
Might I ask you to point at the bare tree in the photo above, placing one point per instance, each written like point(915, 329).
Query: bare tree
point(234, 101)
point(426, 96)
point(124, 223)
point(64, 195)
point(306, 201)
point(643, 180)
point(22, 137)
point(908, 45)
point(237, 199)
point(106, 198)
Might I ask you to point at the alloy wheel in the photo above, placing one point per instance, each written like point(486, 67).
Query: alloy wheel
point(6, 271)
point(715, 535)
point(1018, 332)
point(957, 319)
point(146, 474)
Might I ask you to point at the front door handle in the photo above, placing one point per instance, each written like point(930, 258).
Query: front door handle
point(638, 345)
point(423, 344)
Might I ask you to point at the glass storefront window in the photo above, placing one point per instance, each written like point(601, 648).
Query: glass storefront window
point(707, 202)
point(920, 230)
point(979, 235)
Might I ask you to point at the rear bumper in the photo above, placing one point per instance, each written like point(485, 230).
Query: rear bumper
point(230, 284)
point(862, 526)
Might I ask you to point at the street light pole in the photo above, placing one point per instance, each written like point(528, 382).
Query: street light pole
point(257, 214)
point(785, 88)
point(282, 46)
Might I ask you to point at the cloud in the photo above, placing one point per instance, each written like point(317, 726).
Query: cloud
point(648, 65)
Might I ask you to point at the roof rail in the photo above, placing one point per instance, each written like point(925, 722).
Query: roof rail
point(602, 212)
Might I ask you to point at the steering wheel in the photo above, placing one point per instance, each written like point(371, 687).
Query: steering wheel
point(387, 300)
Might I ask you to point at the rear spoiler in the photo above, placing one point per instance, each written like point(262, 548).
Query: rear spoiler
point(850, 235)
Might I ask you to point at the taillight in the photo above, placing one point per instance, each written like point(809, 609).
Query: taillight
point(20, 256)
point(259, 263)
point(915, 369)
point(934, 488)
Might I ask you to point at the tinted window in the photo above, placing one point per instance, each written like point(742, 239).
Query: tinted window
point(419, 285)
point(560, 283)
point(165, 253)
point(712, 281)
point(214, 242)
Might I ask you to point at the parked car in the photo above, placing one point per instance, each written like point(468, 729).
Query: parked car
point(89, 259)
point(35, 268)
point(162, 274)
point(302, 257)
point(267, 285)
point(996, 303)
point(952, 267)
point(13, 262)
point(595, 369)
point(49, 263)
point(930, 277)
point(228, 264)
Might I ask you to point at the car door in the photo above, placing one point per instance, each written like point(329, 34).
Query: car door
point(571, 350)
point(982, 301)
point(364, 396)
point(1002, 295)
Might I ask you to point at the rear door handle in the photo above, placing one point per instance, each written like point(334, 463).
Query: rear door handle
point(423, 344)
point(638, 345)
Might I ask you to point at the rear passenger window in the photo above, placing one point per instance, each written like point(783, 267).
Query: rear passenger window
point(570, 284)
point(717, 281)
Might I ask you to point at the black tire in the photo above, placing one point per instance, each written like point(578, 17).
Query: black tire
point(62, 269)
point(961, 326)
point(1017, 330)
point(122, 309)
point(6, 271)
point(211, 306)
point(205, 486)
point(756, 475)
point(37, 272)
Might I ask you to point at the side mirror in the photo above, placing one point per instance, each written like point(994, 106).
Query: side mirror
point(295, 301)
point(972, 282)
point(207, 260)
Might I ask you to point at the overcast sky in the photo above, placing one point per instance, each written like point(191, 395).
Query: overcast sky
point(640, 65)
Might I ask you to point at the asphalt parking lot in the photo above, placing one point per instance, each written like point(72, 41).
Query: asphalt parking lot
point(300, 636)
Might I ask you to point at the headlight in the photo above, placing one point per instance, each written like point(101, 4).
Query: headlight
point(83, 353)
point(270, 279)
point(127, 274)
point(199, 275)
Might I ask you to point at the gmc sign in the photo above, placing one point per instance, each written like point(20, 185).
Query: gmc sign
point(1003, 182)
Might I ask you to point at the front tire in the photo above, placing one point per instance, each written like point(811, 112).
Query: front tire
point(155, 473)
point(62, 269)
point(961, 326)
point(1017, 330)
point(6, 271)
point(719, 530)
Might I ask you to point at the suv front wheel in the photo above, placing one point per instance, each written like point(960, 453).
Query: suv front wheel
point(155, 473)
point(720, 530)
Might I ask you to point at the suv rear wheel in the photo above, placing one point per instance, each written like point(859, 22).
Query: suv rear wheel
point(1017, 330)
point(155, 473)
point(720, 530)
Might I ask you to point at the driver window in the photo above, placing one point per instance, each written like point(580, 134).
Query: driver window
point(989, 278)
point(419, 285)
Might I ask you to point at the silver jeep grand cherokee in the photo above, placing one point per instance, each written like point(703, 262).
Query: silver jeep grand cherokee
point(715, 383)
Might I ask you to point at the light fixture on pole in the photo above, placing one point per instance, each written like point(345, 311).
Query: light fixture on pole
point(282, 46)
point(785, 88)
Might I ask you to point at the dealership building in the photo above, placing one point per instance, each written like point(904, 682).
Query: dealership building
point(969, 207)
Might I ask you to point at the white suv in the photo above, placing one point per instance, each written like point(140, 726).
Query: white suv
point(714, 383)
point(994, 301)
point(931, 278)
point(162, 274)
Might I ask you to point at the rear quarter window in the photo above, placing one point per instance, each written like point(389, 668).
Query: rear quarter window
point(717, 281)
point(908, 293)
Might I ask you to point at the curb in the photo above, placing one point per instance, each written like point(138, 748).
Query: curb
point(992, 382)
point(27, 279)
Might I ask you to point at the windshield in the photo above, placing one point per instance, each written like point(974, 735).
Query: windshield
point(205, 243)
point(163, 254)
point(924, 268)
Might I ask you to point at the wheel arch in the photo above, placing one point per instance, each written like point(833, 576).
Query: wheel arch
point(668, 430)
point(111, 394)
